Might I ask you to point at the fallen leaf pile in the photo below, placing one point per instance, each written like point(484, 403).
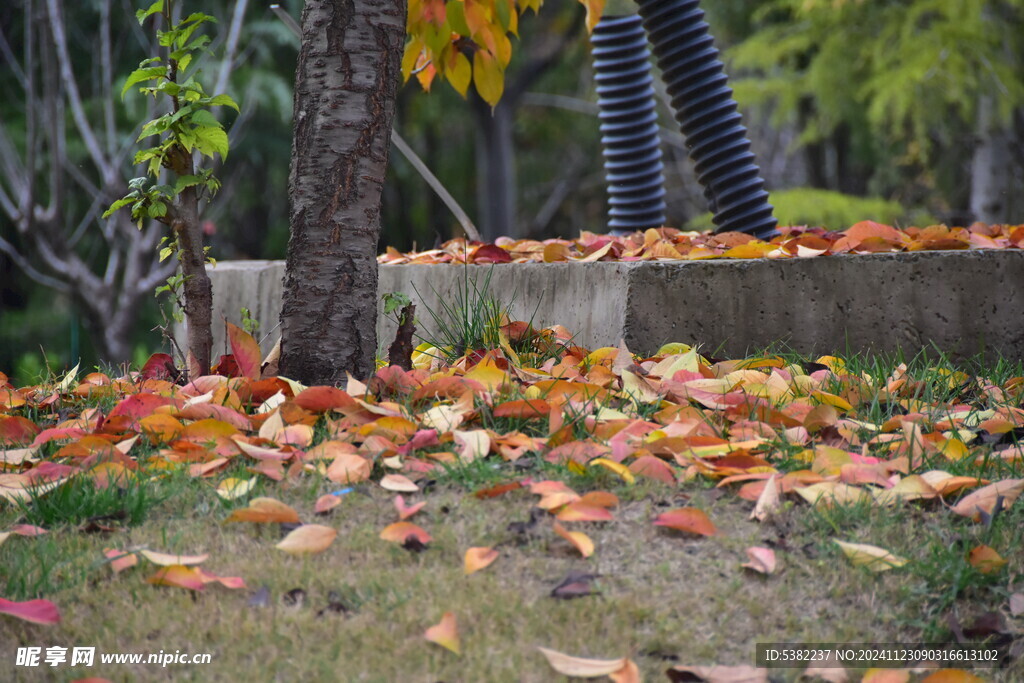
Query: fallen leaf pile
point(866, 237)
point(765, 429)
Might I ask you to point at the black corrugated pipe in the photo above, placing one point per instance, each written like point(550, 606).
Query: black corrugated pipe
point(629, 124)
point(708, 116)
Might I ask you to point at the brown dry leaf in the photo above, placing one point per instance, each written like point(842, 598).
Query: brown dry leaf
point(870, 557)
point(719, 674)
point(308, 538)
point(478, 558)
point(984, 499)
point(768, 502)
point(265, 510)
point(567, 665)
point(445, 633)
point(762, 560)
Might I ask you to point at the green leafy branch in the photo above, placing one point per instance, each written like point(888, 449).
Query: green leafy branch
point(188, 127)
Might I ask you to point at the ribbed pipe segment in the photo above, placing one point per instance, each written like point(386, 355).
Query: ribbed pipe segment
point(707, 115)
point(629, 124)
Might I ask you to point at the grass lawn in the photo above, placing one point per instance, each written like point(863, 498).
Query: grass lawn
point(507, 448)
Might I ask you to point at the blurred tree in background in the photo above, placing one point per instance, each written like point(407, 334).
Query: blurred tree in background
point(917, 102)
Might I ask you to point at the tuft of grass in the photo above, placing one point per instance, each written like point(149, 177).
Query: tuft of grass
point(127, 499)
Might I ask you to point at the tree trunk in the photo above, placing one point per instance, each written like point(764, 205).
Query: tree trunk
point(345, 83)
point(197, 289)
point(991, 167)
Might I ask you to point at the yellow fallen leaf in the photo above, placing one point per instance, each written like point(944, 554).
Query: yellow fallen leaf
point(308, 538)
point(616, 467)
point(233, 487)
point(478, 558)
point(445, 633)
point(870, 557)
point(166, 559)
point(567, 665)
point(579, 540)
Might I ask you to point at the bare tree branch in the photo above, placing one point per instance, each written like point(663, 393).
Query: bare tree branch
point(231, 47)
point(26, 267)
point(71, 85)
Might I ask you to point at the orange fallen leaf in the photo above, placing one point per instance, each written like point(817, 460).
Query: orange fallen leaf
point(986, 560)
point(265, 510)
point(308, 538)
point(349, 468)
point(326, 502)
point(445, 633)
point(691, 520)
point(984, 499)
point(629, 673)
point(401, 532)
point(478, 558)
point(120, 559)
point(579, 512)
point(567, 665)
point(952, 676)
point(578, 539)
point(179, 576)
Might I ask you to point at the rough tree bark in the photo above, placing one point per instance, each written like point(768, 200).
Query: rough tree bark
point(346, 80)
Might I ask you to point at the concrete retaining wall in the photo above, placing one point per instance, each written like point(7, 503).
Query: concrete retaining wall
point(965, 302)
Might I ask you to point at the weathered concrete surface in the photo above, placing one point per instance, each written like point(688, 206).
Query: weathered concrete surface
point(965, 302)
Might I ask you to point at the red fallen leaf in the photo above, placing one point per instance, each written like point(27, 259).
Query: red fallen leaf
point(17, 431)
point(36, 611)
point(27, 530)
point(402, 532)
point(159, 366)
point(138, 406)
point(246, 351)
point(321, 399)
point(526, 408)
point(56, 434)
point(407, 511)
point(227, 366)
point(495, 491)
point(264, 510)
point(490, 253)
point(691, 520)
